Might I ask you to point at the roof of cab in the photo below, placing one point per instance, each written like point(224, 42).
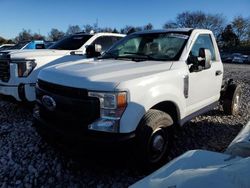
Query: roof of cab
point(99, 33)
point(182, 30)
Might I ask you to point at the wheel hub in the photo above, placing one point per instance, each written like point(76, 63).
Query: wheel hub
point(237, 102)
point(158, 143)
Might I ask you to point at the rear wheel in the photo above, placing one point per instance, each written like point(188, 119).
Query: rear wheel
point(232, 99)
point(153, 138)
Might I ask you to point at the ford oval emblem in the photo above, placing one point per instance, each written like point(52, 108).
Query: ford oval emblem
point(49, 102)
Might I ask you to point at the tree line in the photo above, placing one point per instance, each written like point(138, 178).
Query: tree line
point(228, 34)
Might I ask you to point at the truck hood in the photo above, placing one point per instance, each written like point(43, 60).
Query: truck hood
point(103, 74)
point(32, 54)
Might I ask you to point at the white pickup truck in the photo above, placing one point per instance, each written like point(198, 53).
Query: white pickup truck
point(144, 85)
point(19, 69)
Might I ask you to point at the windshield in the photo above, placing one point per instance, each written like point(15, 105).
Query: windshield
point(73, 42)
point(150, 46)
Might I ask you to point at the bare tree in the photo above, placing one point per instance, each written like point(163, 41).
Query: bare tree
point(248, 32)
point(241, 27)
point(198, 19)
point(126, 29)
point(88, 28)
point(24, 35)
point(37, 36)
point(106, 29)
point(55, 34)
point(73, 29)
point(149, 26)
point(170, 24)
point(130, 29)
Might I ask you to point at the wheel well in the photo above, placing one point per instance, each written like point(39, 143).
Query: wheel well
point(170, 108)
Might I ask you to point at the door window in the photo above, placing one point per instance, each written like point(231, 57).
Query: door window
point(106, 41)
point(203, 41)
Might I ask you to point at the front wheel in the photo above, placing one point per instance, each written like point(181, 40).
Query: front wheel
point(153, 138)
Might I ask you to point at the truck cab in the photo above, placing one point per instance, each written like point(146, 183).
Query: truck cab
point(139, 89)
point(19, 69)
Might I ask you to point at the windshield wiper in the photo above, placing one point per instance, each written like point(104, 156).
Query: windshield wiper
point(142, 58)
point(111, 55)
point(148, 57)
point(139, 54)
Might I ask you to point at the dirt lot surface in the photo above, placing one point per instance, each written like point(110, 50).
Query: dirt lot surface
point(26, 160)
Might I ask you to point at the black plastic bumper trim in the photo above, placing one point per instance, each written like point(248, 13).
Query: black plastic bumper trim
point(21, 92)
point(96, 137)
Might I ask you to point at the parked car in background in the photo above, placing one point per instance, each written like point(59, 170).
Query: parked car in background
point(226, 57)
point(19, 69)
point(237, 58)
point(6, 46)
point(35, 44)
point(246, 58)
point(234, 57)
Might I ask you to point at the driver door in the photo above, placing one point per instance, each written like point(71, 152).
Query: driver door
point(204, 84)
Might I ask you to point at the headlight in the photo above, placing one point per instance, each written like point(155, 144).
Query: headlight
point(112, 106)
point(25, 67)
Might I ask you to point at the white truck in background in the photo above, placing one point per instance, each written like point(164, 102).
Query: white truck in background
point(136, 91)
point(19, 69)
point(6, 46)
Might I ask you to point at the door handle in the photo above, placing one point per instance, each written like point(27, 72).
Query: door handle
point(218, 72)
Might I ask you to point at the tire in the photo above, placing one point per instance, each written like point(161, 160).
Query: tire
point(153, 139)
point(232, 100)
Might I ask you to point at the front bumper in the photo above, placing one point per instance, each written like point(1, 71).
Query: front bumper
point(82, 137)
point(21, 92)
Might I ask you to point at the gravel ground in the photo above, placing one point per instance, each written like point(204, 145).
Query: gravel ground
point(27, 161)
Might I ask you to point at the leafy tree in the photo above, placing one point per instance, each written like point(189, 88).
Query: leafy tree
point(55, 34)
point(5, 41)
point(10, 41)
point(115, 31)
point(2, 40)
point(229, 38)
point(241, 27)
point(73, 29)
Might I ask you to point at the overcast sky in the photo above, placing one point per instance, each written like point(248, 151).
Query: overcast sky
point(42, 15)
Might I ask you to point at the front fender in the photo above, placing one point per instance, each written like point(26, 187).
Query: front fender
point(155, 95)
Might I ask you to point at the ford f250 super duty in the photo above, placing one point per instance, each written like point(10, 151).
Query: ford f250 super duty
point(144, 85)
point(19, 69)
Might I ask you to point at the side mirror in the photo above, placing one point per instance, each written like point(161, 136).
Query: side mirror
point(93, 50)
point(205, 58)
